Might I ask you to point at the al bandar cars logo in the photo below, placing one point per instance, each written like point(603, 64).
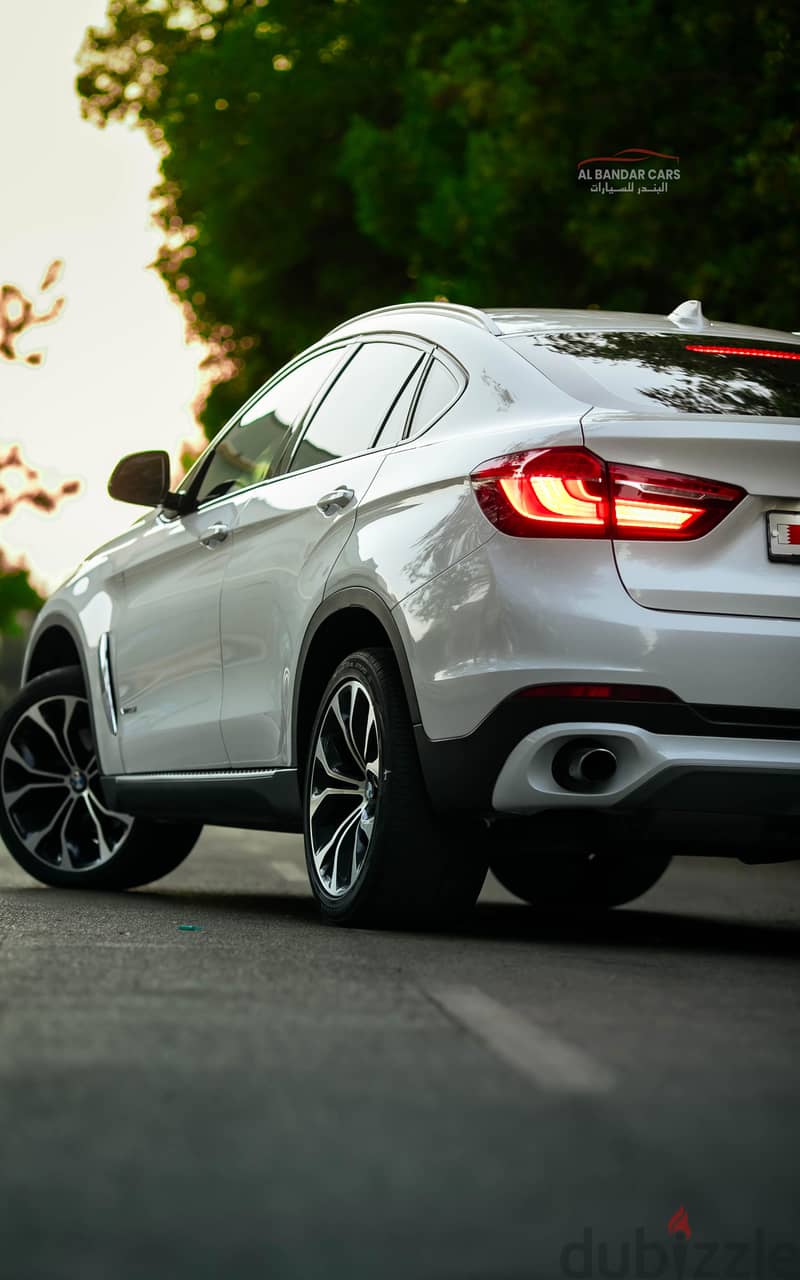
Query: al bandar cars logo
point(637, 170)
point(680, 1257)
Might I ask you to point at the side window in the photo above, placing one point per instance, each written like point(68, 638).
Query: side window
point(439, 390)
point(350, 416)
point(394, 425)
point(248, 452)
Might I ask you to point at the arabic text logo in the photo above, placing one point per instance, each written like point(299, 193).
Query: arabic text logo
point(640, 170)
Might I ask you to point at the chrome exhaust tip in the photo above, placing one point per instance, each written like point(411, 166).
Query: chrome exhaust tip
point(583, 765)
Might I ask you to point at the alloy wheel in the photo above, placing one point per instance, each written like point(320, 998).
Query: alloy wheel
point(50, 786)
point(344, 787)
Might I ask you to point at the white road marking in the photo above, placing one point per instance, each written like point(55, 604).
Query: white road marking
point(530, 1049)
point(290, 871)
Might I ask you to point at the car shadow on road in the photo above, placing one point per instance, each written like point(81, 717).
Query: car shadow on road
point(634, 928)
point(637, 928)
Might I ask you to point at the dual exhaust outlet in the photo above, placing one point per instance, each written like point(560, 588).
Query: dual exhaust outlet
point(583, 766)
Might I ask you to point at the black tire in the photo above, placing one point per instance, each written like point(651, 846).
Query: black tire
point(407, 866)
point(71, 856)
point(565, 878)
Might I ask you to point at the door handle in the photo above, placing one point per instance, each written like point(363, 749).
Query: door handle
point(215, 535)
point(335, 501)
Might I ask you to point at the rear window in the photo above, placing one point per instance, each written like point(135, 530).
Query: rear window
point(687, 373)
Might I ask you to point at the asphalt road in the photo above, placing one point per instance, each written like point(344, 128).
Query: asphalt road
point(265, 1096)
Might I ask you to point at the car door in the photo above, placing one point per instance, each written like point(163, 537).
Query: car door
point(289, 534)
point(166, 641)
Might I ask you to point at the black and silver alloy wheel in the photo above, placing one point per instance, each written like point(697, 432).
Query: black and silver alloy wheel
point(49, 781)
point(53, 817)
point(345, 787)
point(375, 851)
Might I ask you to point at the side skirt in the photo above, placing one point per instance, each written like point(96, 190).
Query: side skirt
point(263, 799)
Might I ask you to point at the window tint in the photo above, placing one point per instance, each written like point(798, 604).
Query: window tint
point(438, 391)
point(248, 452)
point(351, 414)
point(685, 373)
point(392, 429)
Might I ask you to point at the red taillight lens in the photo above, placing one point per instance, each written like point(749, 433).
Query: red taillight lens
point(759, 352)
point(547, 494)
point(571, 493)
point(661, 504)
point(618, 692)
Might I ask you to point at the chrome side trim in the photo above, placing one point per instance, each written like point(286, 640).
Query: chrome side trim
point(200, 775)
point(106, 682)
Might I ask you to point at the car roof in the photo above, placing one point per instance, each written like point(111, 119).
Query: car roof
point(426, 319)
point(546, 320)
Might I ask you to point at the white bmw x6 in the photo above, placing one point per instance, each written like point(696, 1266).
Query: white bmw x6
point(455, 589)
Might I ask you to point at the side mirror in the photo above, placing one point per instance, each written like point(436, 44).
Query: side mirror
point(141, 478)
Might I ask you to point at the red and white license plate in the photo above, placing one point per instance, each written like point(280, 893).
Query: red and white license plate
point(783, 535)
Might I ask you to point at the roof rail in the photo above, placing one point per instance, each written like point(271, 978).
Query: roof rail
point(452, 309)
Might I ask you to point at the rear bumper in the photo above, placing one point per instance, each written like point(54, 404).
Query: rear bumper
point(670, 756)
point(520, 612)
point(663, 771)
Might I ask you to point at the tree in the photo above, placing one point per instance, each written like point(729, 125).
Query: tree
point(248, 105)
point(20, 483)
point(18, 314)
point(320, 157)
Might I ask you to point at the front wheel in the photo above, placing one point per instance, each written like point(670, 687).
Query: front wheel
point(53, 817)
point(375, 851)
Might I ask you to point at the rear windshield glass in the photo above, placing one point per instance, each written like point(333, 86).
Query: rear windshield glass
point(687, 373)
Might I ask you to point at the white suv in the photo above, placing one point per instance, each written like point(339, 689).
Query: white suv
point(456, 588)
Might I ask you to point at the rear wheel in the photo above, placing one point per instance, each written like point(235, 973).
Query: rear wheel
point(376, 853)
point(53, 817)
point(573, 877)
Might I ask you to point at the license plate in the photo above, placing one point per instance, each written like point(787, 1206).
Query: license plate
point(783, 535)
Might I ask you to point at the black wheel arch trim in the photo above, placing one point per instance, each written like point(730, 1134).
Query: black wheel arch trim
point(52, 621)
point(66, 623)
point(338, 602)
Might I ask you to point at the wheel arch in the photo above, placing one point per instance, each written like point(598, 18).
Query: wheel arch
point(54, 645)
point(350, 619)
point(58, 643)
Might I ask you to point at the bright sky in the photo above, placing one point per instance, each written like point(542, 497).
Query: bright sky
point(117, 374)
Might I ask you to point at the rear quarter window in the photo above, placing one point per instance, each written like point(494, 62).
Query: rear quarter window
point(440, 389)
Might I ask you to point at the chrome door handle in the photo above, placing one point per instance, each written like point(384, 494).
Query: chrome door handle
point(335, 501)
point(214, 535)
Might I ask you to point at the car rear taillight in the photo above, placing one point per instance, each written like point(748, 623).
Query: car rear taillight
point(571, 493)
point(661, 504)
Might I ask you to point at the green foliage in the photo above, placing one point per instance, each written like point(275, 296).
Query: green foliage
point(16, 596)
point(321, 157)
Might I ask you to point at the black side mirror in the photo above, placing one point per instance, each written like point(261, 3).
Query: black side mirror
point(142, 478)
